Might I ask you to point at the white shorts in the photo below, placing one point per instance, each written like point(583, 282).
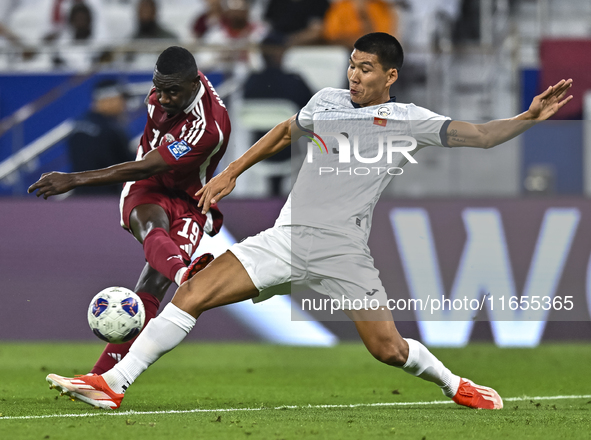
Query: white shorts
point(283, 259)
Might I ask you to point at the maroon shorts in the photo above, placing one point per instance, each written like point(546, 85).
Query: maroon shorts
point(187, 224)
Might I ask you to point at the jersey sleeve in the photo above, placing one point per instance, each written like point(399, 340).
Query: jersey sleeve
point(428, 128)
point(305, 117)
point(191, 150)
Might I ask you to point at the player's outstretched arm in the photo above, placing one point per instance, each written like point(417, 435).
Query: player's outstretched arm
point(221, 185)
point(51, 184)
point(543, 106)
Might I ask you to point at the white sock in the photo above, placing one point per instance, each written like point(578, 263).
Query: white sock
point(423, 364)
point(179, 275)
point(161, 335)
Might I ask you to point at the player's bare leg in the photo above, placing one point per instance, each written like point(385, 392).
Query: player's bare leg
point(196, 266)
point(224, 281)
point(153, 282)
point(150, 225)
point(162, 254)
point(145, 218)
point(379, 334)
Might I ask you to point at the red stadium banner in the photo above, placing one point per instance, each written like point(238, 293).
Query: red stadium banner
point(567, 58)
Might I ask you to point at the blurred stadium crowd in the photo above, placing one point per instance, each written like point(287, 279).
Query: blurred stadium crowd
point(77, 34)
point(468, 59)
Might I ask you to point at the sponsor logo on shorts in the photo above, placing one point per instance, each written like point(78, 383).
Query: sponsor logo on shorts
point(372, 293)
point(179, 149)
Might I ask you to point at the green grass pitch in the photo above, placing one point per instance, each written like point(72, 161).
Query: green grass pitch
point(255, 391)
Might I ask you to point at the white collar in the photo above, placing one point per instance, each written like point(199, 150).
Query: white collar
point(191, 106)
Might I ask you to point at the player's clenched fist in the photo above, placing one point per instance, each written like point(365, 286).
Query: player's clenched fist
point(51, 184)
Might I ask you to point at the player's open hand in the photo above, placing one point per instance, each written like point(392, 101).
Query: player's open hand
point(546, 104)
point(215, 190)
point(51, 184)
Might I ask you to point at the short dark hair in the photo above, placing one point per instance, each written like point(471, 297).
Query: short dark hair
point(177, 60)
point(385, 46)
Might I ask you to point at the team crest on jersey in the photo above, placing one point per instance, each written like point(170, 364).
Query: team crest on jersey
point(179, 149)
point(167, 139)
point(384, 111)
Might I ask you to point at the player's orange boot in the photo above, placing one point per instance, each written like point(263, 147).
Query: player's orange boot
point(91, 389)
point(197, 265)
point(476, 396)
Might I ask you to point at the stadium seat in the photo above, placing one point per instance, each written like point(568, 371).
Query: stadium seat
point(262, 115)
point(321, 66)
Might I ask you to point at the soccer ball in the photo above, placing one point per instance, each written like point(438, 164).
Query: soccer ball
point(116, 315)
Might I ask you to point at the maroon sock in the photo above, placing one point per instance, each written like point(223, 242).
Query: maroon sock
point(162, 254)
point(113, 353)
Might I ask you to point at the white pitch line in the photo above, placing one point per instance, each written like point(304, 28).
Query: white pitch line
point(353, 405)
point(519, 399)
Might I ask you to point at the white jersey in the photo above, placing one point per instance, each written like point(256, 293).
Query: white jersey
point(351, 158)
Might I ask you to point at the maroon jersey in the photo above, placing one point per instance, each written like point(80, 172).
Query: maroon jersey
point(192, 142)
